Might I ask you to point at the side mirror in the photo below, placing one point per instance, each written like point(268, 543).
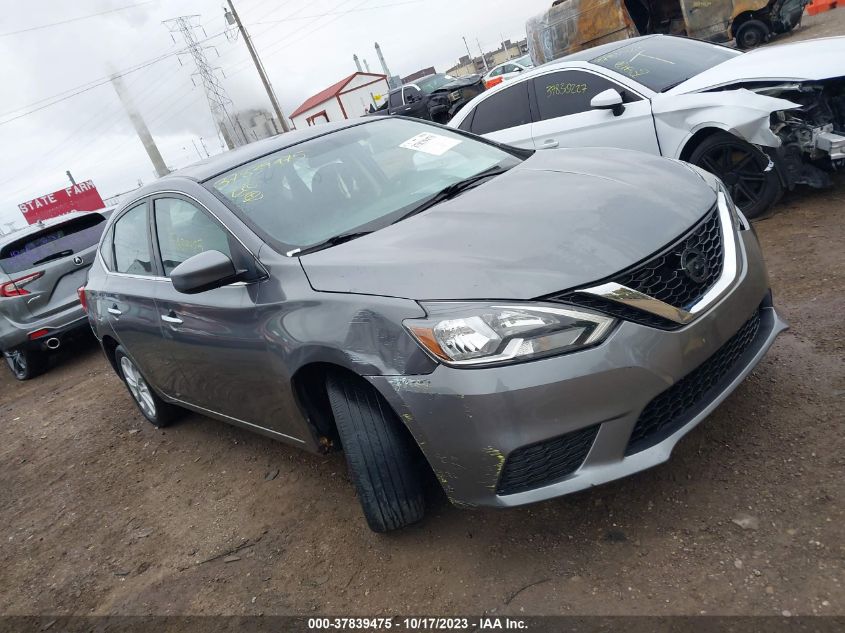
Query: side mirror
point(204, 271)
point(609, 99)
point(519, 69)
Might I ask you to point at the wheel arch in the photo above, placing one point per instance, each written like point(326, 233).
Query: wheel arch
point(308, 385)
point(697, 138)
point(761, 15)
point(109, 345)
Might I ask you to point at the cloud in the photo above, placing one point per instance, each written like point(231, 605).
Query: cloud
point(91, 135)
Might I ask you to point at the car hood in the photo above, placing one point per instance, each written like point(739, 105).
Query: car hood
point(809, 60)
point(460, 82)
point(560, 219)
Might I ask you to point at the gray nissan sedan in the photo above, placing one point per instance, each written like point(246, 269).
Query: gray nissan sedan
point(522, 324)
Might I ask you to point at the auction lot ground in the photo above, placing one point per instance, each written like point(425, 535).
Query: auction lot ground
point(100, 513)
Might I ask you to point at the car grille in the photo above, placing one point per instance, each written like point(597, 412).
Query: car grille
point(673, 408)
point(545, 463)
point(663, 277)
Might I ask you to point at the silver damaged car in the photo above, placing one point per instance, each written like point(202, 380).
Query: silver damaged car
point(521, 325)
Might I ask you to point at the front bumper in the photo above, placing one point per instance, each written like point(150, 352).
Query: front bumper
point(470, 422)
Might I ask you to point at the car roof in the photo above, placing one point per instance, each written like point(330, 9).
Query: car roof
point(215, 165)
point(510, 61)
point(587, 54)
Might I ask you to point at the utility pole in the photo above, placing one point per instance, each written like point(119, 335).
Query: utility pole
point(483, 58)
point(258, 65)
point(467, 45)
point(504, 47)
point(70, 177)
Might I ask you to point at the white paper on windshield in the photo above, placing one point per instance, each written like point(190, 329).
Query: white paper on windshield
point(433, 144)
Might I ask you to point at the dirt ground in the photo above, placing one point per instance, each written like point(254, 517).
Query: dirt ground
point(100, 513)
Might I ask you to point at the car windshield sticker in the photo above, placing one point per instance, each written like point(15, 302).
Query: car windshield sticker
point(636, 64)
point(553, 90)
point(238, 184)
point(429, 143)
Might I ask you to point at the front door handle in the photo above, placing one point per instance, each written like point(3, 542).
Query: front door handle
point(171, 319)
point(113, 310)
point(550, 144)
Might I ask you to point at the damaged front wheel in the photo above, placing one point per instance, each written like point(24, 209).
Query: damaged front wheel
point(379, 452)
point(747, 172)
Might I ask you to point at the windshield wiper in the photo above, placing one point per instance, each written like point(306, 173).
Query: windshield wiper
point(452, 190)
point(332, 241)
point(50, 258)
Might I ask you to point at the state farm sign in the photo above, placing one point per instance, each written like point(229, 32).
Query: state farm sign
point(82, 196)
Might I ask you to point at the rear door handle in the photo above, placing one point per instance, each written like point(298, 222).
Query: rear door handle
point(550, 144)
point(113, 310)
point(171, 319)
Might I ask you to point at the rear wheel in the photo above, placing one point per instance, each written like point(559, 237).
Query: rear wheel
point(158, 412)
point(381, 456)
point(751, 34)
point(743, 169)
point(25, 364)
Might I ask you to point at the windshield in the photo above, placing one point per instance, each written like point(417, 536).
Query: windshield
point(360, 178)
point(433, 82)
point(525, 61)
point(661, 63)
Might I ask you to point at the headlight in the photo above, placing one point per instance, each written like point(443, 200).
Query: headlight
point(470, 334)
point(739, 220)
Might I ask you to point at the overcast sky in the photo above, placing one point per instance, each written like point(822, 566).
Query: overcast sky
point(305, 46)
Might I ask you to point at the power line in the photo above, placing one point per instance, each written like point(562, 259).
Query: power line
point(77, 19)
point(328, 13)
point(79, 92)
point(285, 42)
point(73, 92)
point(287, 36)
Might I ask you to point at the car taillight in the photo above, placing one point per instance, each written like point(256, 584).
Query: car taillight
point(15, 288)
point(82, 298)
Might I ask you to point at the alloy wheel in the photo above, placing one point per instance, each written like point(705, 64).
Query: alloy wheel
point(740, 169)
point(138, 387)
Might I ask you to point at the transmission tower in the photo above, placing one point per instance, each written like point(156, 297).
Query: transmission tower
point(218, 101)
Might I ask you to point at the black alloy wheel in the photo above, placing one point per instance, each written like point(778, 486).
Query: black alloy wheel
point(747, 172)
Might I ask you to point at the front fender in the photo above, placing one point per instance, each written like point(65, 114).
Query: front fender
point(741, 112)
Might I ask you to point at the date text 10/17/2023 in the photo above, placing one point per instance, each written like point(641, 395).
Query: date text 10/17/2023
point(402, 623)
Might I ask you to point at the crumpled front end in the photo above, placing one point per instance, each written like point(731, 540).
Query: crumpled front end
point(812, 134)
point(455, 96)
point(677, 117)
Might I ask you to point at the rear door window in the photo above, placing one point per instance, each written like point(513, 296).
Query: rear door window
point(53, 243)
point(131, 245)
point(506, 109)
